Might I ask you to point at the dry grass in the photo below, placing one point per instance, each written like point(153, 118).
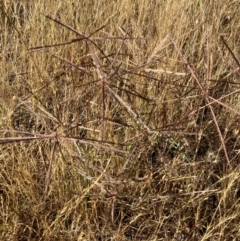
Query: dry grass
point(119, 120)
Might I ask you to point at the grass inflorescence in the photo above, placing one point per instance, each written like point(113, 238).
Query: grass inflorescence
point(119, 120)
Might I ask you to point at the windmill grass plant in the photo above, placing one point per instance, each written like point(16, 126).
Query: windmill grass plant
point(119, 120)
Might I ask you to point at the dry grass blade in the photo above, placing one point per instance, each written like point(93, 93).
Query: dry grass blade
point(6, 140)
point(103, 80)
point(230, 51)
point(163, 71)
point(118, 122)
point(49, 173)
point(44, 47)
point(91, 143)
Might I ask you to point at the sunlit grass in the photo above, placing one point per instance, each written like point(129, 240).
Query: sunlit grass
point(119, 120)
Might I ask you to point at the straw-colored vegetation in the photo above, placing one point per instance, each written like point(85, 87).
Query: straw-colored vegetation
point(119, 120)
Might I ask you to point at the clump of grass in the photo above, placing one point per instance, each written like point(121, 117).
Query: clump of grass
point(118, 122)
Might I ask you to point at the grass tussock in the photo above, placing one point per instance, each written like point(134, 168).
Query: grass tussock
point(119, 120)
